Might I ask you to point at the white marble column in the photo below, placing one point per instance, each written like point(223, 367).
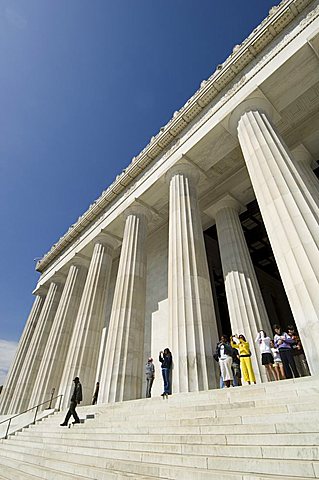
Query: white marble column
point(83, 349)
point(193, 328)
point(246, 306)
point(10, 386)
point(122, 369)
point(305, 163)
point(290, 210)
point(55, 352)
point(101, 355)
point(29, 370)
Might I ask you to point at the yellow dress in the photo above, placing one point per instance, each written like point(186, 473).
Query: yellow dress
point(245, 360)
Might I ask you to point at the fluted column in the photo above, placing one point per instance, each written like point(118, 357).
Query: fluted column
point(122, 369)
point(290, 211)
point(54, 356)
point(83, 349)
point(193, 328)
point(29, 370)
point(305, 164)
point(246, 307)
point(11, 384)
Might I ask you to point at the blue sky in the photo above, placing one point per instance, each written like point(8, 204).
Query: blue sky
point(84, 85)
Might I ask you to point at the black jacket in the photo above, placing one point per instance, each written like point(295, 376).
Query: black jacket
point(77, 393)
point(166, 361)
point(227, 349)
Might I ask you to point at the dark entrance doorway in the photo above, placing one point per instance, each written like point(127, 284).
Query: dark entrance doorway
point(265, 266)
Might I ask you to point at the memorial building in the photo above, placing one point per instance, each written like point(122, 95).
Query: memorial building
point(213, 228)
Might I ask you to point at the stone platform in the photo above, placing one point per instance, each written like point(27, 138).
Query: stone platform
point(268, 431)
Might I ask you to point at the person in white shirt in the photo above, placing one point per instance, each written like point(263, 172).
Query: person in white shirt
point(267, 358)
point(278, 366)
point(224, 356)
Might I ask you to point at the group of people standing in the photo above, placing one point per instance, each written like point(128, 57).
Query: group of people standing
point(282, 356)
point(165, 358)
point(234, 361)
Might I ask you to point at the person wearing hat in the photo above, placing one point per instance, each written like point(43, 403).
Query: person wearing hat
point(75, 399)
point(150, 375)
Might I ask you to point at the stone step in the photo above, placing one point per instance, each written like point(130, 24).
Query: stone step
point(103, 458)
point(275, 416)
point(136, 469)
point(267, 431)
point(21, 421)
point(281, 418)
point(204, 426)
point(289, 388)
point(238, 394)
point(259, 450)
point(229, 450)
point(12, 469)
point(101, 432)
point(169, 408)
point(295, 404)
point(208, 410)
point(261, 438)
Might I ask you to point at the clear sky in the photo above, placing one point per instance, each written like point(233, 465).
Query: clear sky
point(84, 85)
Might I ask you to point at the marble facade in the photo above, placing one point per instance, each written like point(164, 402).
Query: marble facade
point(135, 267)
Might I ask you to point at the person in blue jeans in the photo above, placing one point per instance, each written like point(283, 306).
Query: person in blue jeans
point(284, 343)
point(165, 358)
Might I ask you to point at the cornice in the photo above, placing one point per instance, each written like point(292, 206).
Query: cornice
point(279, 17)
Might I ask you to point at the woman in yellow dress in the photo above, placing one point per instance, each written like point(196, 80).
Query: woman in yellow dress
point(242, 346)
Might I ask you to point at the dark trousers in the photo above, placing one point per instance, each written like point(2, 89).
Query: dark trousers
point(72, 411)
point(165, 373)
point(288, 362)
point(149, 383)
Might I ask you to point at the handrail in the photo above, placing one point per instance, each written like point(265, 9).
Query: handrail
point(32, 408)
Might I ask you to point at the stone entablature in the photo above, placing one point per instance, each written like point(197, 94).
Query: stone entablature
point(277, 21)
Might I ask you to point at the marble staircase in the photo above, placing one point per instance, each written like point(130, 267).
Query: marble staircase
point(268, 431)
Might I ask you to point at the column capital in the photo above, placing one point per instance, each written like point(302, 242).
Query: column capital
point(41, 290)
point(58, 278)
point(184, 169)
point(107, 240)
point(80, 260)
point(137, 210)
point(303, 156)
point(255, 103)
point(228, 201)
